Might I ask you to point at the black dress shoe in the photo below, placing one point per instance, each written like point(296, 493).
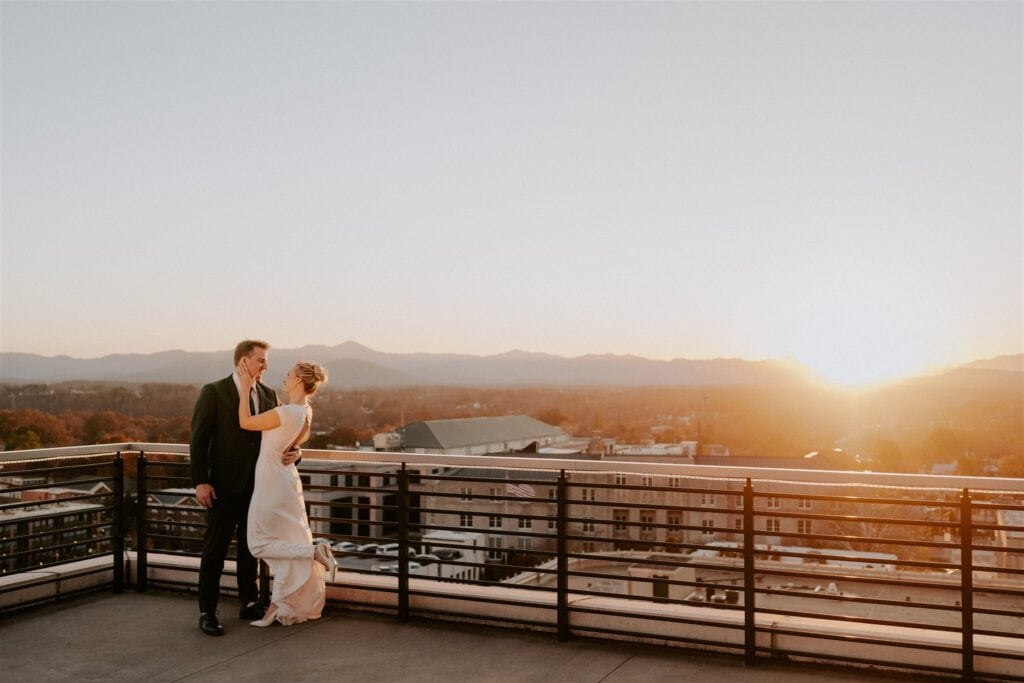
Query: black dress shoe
point(209, 624)
point(251, 612)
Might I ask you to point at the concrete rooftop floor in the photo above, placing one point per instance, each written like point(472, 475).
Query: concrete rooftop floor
point(154, 637)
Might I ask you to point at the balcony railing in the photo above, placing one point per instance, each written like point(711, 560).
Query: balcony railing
point(912, 572)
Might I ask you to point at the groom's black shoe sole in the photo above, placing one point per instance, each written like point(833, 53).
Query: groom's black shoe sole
point(210, 625)
point(251, 613)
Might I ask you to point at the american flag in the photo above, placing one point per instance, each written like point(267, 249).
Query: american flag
point(520, 490)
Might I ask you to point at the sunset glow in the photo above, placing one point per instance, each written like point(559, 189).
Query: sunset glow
point(667, 180)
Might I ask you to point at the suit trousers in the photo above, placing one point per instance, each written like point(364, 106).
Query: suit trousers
point(227, 515)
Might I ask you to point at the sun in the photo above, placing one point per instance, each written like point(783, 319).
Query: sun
point(856, 368)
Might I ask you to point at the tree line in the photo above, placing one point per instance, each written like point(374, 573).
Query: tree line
point(903, 428)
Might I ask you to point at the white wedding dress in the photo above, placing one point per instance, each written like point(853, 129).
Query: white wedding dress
point(278, 527)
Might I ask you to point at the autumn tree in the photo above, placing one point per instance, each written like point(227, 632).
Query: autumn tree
point(551, 416)
point(889, 458)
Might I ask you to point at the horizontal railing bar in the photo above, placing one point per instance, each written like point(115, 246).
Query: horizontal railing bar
point(63, 531)
point(861, 600)
point(782, 631)
point(53, 501)
point(576, 628)
point(474, 598)
point(485, 618)
point(56, 485)
point(861, 579)
point(859, 660)
point(46, 550)
point(859, 620)
point(47, 565)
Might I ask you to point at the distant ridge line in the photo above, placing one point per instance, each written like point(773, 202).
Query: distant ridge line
point(352, 364)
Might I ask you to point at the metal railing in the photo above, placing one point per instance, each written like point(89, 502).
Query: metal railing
point(782, 559)
point(62, 511)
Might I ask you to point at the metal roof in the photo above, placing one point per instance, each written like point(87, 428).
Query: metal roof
point(475, 431)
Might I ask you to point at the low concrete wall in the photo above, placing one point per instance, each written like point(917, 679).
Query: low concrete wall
point(661, 623)
point(52, 583)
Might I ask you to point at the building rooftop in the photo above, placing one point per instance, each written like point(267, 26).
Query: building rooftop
point(475, 431)
point(153, 636)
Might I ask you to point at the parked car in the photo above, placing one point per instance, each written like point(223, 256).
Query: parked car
point(370, 548)
point(387, 549)
point(448, 554)
point(345, 547)
point(392, 567)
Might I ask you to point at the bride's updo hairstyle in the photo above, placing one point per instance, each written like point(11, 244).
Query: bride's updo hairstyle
point(311, 375)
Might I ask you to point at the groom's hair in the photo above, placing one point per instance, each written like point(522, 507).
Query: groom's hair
point(245, 347)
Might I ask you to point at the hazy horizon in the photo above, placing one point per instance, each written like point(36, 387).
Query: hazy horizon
point(836, 183)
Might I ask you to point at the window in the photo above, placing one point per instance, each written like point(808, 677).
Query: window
point(673, 482)
point(589, 494)
point(737, 501)
point(707, 499)
point(620, 479)
point(495, 493)
point(805, 504)
point(494, 522)
point(647, 520)
point(525, 523)
point(674, 518)
point(465, 520)
point(467, 493)
point(707, 525)
point(772, 525)
point(647, 480)
point(495, 552)
point(552, 493)
point(588, 546)
point(620, 517)
point(773, 502)
point(552, 523)
point(524, 543)
point(738, 524)
point(588, 526)
point(803, 526)
point(836, 504)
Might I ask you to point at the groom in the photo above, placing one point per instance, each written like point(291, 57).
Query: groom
point(223, 468)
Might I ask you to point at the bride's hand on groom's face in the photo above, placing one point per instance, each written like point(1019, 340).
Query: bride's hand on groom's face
point(244, 375)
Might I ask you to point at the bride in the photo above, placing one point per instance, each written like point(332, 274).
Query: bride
point(277, 528)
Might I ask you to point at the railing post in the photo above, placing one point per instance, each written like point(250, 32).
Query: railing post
point(749, 632)
point(403, 545)
point(561, 530)
point(118, 523)
point(967, 585)
point(141, 560)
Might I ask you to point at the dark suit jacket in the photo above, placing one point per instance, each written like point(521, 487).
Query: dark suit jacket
point(222, 453)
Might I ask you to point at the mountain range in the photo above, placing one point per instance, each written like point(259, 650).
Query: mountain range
point(351, 365)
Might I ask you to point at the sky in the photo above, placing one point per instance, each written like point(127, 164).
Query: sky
point(836, 183)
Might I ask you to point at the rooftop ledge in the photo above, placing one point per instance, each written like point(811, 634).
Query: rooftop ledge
point(96, 630)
